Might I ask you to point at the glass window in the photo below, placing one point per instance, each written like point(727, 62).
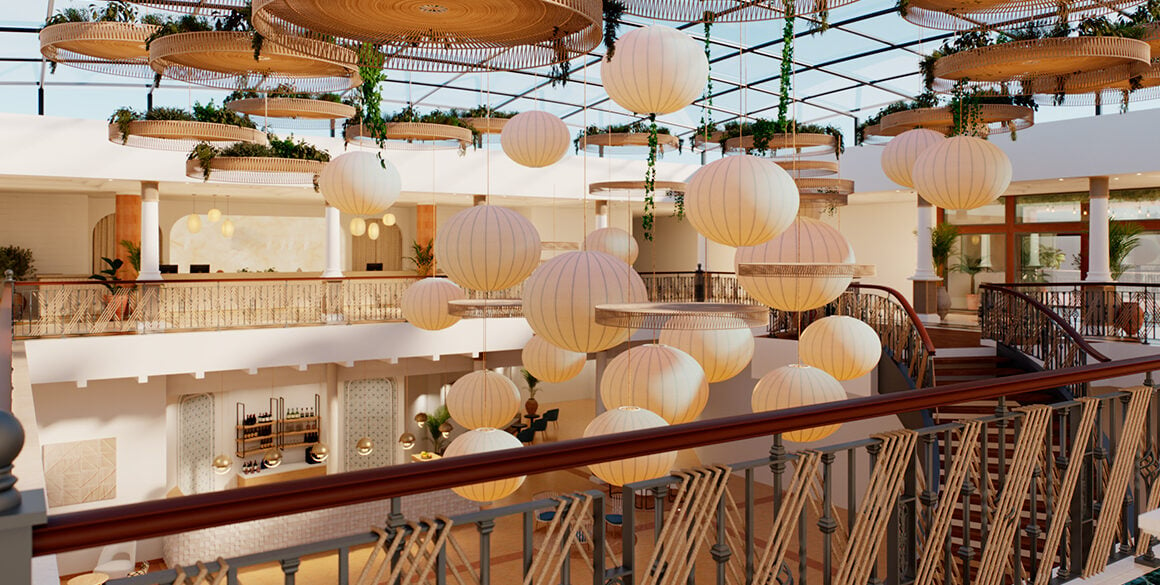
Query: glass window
point(1045, 257)
point(980, 258)
point(1142, 263)
point(992, 213)
point(1049, 208)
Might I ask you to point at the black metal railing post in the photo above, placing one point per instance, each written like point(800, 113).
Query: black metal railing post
point(827, 523)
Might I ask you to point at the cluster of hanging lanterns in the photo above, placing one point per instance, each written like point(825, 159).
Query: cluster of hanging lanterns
point(960, 172)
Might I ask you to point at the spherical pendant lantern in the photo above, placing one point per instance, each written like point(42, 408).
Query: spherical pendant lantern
point(485, 440)
point(214, 215)
point(655, 70)
point(741, 200)
point(806, 241)
point(622, 420)
point(659, 378)
point(389, 219)
point(228, 229)
point(962, 172)
point(535, 139)
point(483, 398)
point(358, 226)
point(613, 241)
point(222, 464)
point(488, 248)
point(899, 155)
point(722, 353)
point(560, 299)
point(360, 183)
point(549, 363)
point(841, 346)
point(798, 385)
point(424, 303)
point(373, 231)
point(193, 223)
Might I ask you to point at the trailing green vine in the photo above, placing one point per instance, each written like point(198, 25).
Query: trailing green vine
point(561, 70)
point(369, 97)
point(284, 90)
point(650, 176)
point(204, 153)
point(966, 112)
point(613, 12)
point(786, 77)
point(707, 127)
point(821, 17)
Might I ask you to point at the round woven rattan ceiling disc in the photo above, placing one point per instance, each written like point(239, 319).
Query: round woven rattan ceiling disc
point(415, 135)
point(257, 170)
point(1024, 61)
point(226, 60)
point(485, 308)
point(997, 117)
point(964, 15)
point(116, 48)
point(805, 269)
point(182, 134)
point(809, 168)
point(693, 316)
point(1115, 85)
point(596, 142)
point(724, 10)
point(604, 186)
point(487, 125)
point(284, 107)
point(787, 144)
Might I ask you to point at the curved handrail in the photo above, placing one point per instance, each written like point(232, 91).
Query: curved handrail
point(1064, 325)
point(1080, 284)
point(79, 530)
point(914, 320)
point(215, 280)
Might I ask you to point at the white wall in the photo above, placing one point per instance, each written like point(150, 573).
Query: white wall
point(55, 227)
point(882, 234)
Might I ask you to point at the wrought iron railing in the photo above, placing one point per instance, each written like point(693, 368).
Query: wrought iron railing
point(1019, 497)
point(1107, 310)
point(717, 287)
point(903, 335)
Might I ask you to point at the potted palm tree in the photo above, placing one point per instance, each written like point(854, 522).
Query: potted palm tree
point(531, 406)
point(423, 258)
point(1123, 237)
point(942, 244)
point(971, 266)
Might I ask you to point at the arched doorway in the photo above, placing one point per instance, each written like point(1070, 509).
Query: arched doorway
point(105, 241)
point(387, 249)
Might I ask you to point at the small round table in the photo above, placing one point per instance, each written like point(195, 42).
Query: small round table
point(532, 418)
point(89, 579)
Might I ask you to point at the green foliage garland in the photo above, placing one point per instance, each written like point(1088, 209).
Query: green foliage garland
point(786, 77)
point(613, 11)
point(650, 179)
point(966, 112)
point(707, 127)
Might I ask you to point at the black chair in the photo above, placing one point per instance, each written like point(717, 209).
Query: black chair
point(553, 416)
point(374, 266)
point(199, 268)
point(540, 425)
point(527, 435)
point(168, 268)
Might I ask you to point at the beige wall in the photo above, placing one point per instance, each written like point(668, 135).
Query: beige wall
point(55, 227)
point(882, 234)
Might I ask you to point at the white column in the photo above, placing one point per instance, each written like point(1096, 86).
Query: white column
point(1099, 261)
point(1033, 250)
point(703, 252)
point(601, 215)
point(333, 244)
point(985, 251)
point(924, 260)
point(150, 224)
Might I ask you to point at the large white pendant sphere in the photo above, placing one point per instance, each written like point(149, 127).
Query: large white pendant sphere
point(633, 469)
point(485, 440)
point(193, 223)
point(549, 363)
point(741, 200)
point(798, 385)
point(483, 398)
point(899, 155)
point(487, 248)
point(655, 70)
point(359, 183)
point(722, 353)
point(659, 378)
point(962, 172)
point(560, 299)
point(841, 346)
point(613, 241)
point(806, 241)
point(424, 303)
point(535, 139)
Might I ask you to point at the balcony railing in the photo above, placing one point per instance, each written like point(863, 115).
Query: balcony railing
point(1111, 310)
point(1019, 497)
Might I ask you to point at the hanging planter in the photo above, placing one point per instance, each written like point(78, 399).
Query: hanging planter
point(696, 11)
point(282, 162)
point(965, 15)
point(802, 168)
point(636, 134)
point(996, 117)
point(405, 135)
point(327, 107)
point(116, 48)
point(175, 129)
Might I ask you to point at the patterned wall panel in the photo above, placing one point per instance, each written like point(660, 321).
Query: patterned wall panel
point(370, 409)
point(195, 443)
point(80, 471)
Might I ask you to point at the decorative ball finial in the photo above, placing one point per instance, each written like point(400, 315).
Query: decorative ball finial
point(11, 442)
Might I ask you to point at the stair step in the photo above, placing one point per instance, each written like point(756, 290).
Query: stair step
point(969, 359)
point(941, 374)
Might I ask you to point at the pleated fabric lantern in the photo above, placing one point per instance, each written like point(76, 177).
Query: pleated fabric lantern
point(659, 378)
point(214, 215)
point(549, 363)
point(741, 200)
point(535, 139)
point(962, 172)
point(424, 303)
point(485, 440)
point(373, 230)
point(841, 346)
point(193, 223)
point(487, 248)
point(227, 228)
point(560, 299)
point(806, 241)
point(655, 70)
point(622, 420)
point(722, 353)
point(359, 183)
point(900, 153)
point(615, 242)
point(798, 385)
point(483, 398)
point(358, 226)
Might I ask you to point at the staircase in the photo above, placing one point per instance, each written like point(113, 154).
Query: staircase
point(968, 364)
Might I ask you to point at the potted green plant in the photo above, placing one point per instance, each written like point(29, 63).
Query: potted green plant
point(531, 406)
point(108, 278)
point(433, 424)
point(423, 258)
point(1123, 237)
point(20, 261)
point(971, 266)
point(943, 238)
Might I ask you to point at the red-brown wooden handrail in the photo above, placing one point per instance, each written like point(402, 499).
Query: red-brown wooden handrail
point(79, 530)
point(1067, 328)
point(1079, 284)
point(207, 280)
point(914, 320)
